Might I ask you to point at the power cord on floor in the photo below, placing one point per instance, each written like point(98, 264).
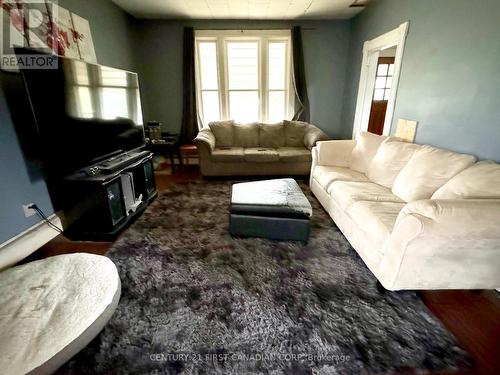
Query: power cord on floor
point(44, 217)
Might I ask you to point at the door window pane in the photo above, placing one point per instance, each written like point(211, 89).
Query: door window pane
point(277, 65)
point(276, 106)
point(391, 70)
point(380, 83)
point(387, 94)
point(378, 94)
point(210, 102)
point(382, 69)
point(243, 67)
point(388, 83)
point(244, 106)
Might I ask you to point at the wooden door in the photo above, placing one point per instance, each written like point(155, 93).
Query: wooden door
point(381, 92)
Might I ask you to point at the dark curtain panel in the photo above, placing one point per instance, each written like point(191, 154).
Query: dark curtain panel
point(189, 128)
point(299, 77)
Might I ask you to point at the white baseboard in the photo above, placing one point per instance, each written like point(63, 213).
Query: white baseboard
point(19, 247)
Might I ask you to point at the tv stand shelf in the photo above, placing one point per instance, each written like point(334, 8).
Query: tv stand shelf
point(99, 204)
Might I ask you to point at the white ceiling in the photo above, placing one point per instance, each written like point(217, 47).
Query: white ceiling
point(241, 9)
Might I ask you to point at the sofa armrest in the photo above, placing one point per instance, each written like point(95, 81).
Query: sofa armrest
point(205, 140)
point(444, 244)
point(335, 153)
point(457, 217)
point(313, 135)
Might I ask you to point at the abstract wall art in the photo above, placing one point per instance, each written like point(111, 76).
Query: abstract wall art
point(44, 25)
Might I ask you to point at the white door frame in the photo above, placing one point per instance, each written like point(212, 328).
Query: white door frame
point(371, 51)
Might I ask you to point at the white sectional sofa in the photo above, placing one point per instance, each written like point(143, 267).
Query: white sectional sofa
point(227, 148)
point(419, 217)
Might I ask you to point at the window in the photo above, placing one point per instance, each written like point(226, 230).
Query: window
point(243, 75)
point(243, 80)
point(383, 81)
point(209, 80)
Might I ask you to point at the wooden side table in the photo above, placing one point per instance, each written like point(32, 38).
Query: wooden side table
point(187, 152)
point(169, 147)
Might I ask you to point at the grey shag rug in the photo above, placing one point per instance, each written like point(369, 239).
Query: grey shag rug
point(196, 301)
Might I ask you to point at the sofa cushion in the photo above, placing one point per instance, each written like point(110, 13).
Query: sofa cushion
point(327, 175)
point(294, 154)
point(389, 160)
point(367, 145)
point(375, 219)
point(261, 155)
point(228, 154)
point(246, 135)
point(481, 181)
point(295, 132)
point(427, 170)
point(347, 193)
point(272, 135)
point(223, 132)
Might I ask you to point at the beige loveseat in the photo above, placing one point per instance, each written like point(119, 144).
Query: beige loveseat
point(230, 149)
point(419, 217)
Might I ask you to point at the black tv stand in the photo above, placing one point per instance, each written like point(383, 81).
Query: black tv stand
point(118, 162)
point(98, 198)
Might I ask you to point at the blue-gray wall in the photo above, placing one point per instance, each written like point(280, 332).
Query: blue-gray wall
point(326, 45)
point(21, 180)
point(450, 78)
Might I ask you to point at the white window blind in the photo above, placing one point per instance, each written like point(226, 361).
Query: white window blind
point(243, 75)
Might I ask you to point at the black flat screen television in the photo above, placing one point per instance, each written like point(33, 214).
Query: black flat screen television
point(83, 112)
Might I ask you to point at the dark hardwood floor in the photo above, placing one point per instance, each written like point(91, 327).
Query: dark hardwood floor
point(472, 316)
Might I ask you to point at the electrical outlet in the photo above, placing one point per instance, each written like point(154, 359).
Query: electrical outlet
point(28, 212)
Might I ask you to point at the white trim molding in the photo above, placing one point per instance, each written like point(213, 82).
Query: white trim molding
point(25, 243)
point(371, 51)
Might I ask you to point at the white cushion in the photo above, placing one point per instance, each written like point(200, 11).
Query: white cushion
point(347, 193)
point(367, 145)
point(427, 170)
point(335, 153)
point(223, 132)
point(389, 160)
point(51, 309)
point(481, 181)
point(327, 175)
point(375, 219)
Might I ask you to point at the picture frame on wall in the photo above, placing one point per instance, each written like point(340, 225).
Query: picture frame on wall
point(12, 31)
point(45, 26)
point(39, 32)
point(66, 39)
point(84, 39)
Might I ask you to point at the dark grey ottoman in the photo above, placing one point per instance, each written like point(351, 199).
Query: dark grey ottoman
point(274, 209)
